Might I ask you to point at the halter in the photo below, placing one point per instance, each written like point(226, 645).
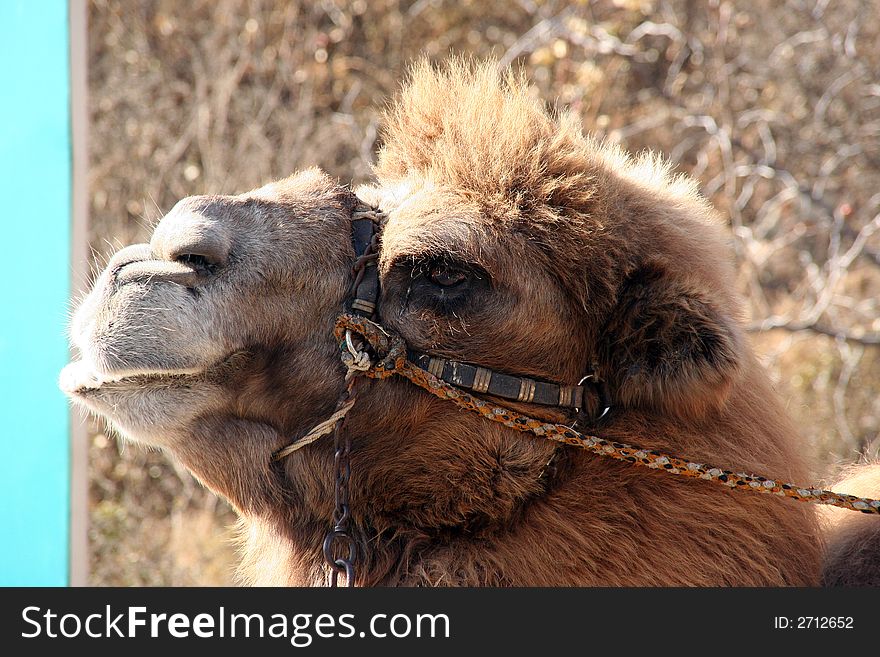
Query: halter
point(366, 229)
point(369, 350)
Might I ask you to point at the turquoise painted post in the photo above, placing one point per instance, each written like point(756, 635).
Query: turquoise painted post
point(35, 185)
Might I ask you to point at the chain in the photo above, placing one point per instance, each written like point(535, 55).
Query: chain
point(340, 549)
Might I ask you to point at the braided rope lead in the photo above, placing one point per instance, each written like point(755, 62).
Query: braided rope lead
point(326, 427)
point(395, 363)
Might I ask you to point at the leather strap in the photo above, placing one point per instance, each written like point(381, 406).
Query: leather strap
point(482, 380)
point(365, 295)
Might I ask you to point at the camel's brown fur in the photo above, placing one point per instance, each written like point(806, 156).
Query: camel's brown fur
point(853, 554)
point(575, 257)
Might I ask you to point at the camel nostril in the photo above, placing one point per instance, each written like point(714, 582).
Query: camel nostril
point(192, 238)
point(200, 246)
point(198, 262)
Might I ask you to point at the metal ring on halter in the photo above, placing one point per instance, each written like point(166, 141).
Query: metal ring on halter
point(603, 395)
point(349, 343)
point(360, 358)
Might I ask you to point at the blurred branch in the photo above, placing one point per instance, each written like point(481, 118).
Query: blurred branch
point(864, 339)
point(540, 33)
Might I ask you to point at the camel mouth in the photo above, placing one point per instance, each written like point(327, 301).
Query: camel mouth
point(79, 378)
point(183, 272)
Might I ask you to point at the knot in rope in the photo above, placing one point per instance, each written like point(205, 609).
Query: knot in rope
point(388, 350)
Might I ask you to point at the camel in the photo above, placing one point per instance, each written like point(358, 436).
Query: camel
point(510, 241)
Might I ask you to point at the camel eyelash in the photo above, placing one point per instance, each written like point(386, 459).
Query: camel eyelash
point(431, 266)
point(440, 283)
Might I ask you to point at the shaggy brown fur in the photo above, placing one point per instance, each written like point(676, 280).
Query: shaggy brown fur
point(596, 260)
point(512, 241)
point(853, 556)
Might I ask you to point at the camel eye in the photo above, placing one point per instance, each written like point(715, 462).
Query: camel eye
point(446, 276)
point(440, 283)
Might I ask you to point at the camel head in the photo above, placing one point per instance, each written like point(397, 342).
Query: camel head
point(224, 317)
point(511, 241)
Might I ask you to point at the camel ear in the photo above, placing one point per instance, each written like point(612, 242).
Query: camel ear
point(668, 347)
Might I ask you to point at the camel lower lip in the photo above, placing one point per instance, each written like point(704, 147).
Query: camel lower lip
point(78, 378)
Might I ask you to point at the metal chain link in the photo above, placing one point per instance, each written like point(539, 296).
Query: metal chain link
point(340, 549)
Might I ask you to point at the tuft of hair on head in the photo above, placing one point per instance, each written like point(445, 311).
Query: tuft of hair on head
point(484, 132)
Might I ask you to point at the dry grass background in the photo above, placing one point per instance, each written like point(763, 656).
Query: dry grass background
point(773, 105)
